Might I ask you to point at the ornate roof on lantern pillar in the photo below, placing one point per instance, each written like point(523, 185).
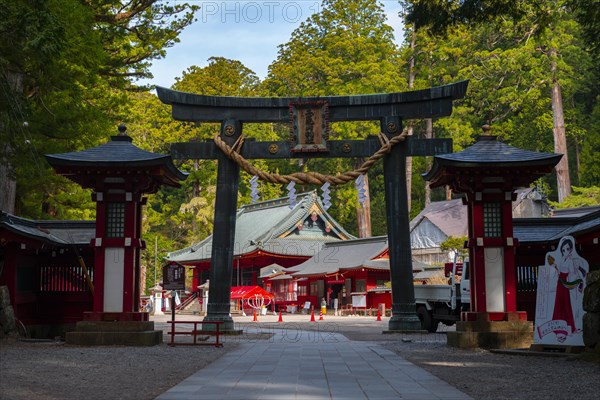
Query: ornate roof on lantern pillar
point(489, 162)
point(121, 158)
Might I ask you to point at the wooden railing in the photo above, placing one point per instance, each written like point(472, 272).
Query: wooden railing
point(527, 278)
point(69, 278)
point(194, 333)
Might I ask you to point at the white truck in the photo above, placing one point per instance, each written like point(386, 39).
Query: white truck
point(444, 303)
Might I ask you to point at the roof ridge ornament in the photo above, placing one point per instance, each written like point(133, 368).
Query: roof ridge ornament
point(122, 136)
point(487, 133)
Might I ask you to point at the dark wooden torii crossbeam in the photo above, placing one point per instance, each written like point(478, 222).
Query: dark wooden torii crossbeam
point(309, 118)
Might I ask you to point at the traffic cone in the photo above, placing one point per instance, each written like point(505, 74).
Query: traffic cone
point(280, 317)
point(255, 319)
point(312, 315)
point(378, 315)
point(321, 316)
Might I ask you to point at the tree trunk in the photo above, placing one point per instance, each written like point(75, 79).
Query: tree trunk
point(363, 212)
point(563, 179)
point(195, 193)
point(8, 183)
point(143, 274)
point(577, 160)
point(428, 135)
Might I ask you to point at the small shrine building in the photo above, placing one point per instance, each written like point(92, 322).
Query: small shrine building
point(487, 173)
point(119, 175)
point(353, 272)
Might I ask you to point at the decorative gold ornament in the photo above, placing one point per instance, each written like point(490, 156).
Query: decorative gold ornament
point(229, 130)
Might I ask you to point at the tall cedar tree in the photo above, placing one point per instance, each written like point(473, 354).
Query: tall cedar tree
point(62, 65)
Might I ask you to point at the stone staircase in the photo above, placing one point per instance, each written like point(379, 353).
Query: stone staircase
point(193, 308)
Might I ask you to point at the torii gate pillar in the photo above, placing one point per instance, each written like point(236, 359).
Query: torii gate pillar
point(396, 204)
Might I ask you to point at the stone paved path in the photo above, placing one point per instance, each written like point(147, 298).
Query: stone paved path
point(300, 364)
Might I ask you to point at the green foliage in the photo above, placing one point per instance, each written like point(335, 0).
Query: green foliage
point(590, 152)
point(438, 15)
point(136, 32)
point(346, 48)
point(73, 75)
point(506, 50)
point(222, 77)
point(580, 197)
point(456, 244)
point(63, 65)
point(157, 248)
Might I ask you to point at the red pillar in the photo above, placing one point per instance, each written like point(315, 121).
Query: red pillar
point(99, 252)
point(477, 256)
point(130, 242)
point(510, 278)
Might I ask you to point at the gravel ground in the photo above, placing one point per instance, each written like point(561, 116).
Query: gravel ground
point(54, 370)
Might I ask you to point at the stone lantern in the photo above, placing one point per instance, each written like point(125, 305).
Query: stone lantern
point(119, 174)
point(488, 173)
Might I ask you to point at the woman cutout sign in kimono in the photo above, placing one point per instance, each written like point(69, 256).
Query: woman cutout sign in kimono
point(559, 308)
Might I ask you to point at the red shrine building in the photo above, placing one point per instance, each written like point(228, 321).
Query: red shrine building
point(350, 274)
point(269, 235)
point(42, 270)
point(60, 273)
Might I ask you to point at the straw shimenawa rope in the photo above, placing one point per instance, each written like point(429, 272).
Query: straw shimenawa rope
point(310, 178)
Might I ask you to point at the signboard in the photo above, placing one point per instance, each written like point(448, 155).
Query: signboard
point(359, 300)
point(309, 130)
point(559, 304)
point(173, 277)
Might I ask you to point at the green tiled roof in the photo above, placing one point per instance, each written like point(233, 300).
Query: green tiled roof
point(271, 226)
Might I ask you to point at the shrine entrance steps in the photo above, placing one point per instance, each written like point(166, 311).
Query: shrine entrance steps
point(105, 329)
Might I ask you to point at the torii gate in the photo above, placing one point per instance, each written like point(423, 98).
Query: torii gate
point(309, 118)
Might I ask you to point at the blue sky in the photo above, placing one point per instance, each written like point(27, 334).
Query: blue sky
point(248, 31)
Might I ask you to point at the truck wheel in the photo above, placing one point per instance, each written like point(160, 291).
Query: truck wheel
point(428, 323)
